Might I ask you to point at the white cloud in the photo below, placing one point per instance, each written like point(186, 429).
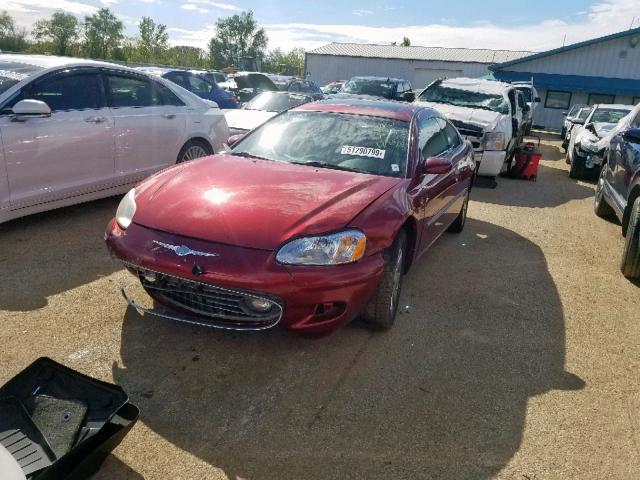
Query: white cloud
point(194, 8)
point(220, 5)
point(358, 12)
point(109, 2)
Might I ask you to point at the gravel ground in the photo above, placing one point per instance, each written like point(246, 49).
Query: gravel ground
point(516, 357)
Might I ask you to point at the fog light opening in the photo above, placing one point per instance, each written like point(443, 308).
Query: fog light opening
point(261, 305)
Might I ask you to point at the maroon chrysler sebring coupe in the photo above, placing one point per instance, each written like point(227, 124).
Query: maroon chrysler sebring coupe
point(307, 222)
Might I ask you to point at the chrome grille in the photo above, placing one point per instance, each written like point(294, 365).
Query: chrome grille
point(211, 303)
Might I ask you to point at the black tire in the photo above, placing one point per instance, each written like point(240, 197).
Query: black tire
point(577, 167)
point(600, 205)
point(630, 263)
point(194, 146)
point(383, 307)
point(458, 224)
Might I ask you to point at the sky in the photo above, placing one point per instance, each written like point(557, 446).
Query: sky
point(495, 24)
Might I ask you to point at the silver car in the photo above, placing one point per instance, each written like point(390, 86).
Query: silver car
point(74, 130)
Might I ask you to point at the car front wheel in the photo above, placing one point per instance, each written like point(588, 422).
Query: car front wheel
point(630, 263)
point(383, 307)
point(577, 166)
point(600, 205)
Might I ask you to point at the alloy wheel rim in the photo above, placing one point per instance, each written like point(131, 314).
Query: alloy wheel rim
point(193, 152)
point(397, 274)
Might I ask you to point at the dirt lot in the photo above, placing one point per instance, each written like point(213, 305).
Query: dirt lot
point(517, 356)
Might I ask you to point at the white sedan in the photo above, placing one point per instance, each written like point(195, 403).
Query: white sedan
point(74, 130)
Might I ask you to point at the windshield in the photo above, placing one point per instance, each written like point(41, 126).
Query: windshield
point(584, 113)
point(13, 72)
point(608, 115)
point(465, 98)
point(332, 140)
point(275, 102)
point(377, 87)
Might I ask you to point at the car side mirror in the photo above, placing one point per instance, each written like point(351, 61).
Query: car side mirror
point(409, 96)
point(435, 166)
point(233, 139)
point(579, 121)
point(564, 114)
point(25, 109)
point(632, 135)
point(537, 100)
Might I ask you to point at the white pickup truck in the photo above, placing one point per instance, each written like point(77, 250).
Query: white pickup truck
point(488, 113)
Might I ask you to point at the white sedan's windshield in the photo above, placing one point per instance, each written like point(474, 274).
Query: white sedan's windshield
point(332, 140)
point(13, 72)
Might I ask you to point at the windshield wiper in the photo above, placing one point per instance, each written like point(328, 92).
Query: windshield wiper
point(249, 155)
point(315, 163)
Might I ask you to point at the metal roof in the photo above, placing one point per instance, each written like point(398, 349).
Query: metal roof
point(442, 54)
point(555, 51)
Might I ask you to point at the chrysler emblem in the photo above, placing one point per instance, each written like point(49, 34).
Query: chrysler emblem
point(183, 250)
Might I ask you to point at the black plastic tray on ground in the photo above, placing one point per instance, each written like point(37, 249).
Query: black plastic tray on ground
point(73, 419)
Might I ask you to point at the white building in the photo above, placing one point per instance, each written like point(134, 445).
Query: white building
point(419, 65)
point(601, 70)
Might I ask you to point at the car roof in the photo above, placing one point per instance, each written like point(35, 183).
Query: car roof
point(477, 84)
point(52, 61)
point(161, 70)
point(384, 79)
point(618, 106)
point(375, 108)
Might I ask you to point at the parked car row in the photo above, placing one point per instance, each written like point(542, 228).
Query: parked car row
point(75, 130)
point(617, 192)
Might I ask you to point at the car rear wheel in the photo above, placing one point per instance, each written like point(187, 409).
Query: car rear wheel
point(600, 205)
point(383, 307)
point(630, 263)
point(193, 149)
point(461, 219)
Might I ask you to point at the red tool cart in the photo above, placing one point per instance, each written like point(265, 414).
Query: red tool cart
point(525, 163)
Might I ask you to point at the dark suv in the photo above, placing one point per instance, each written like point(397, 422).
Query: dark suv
point(618, 189)
point(379, 88)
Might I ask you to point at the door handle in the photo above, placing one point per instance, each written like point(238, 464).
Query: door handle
point(169, 115)
point(97, 119)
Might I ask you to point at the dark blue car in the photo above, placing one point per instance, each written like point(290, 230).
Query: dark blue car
point(618, 189)
point(198, 84)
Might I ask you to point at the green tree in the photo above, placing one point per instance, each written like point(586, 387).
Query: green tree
point(103, 33)
point(290, 63)
point(62, 29)
point(236, 37)
point(405, 42)
point(185, 56)
point(12, 39)
point(154, 40)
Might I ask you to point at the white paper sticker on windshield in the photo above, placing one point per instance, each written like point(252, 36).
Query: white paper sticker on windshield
point(395, 167)
point(362, 151)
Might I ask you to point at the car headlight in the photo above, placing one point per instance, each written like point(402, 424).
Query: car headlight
point(126, 209)
point(494, 141)
point(333, 249)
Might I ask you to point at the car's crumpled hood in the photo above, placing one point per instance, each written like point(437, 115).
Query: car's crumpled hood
point(487, 119)
point(253, 203)
point(595, 142)
point(246, 119)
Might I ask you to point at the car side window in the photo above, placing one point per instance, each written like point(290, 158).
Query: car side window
point(431, 139)
point(450, 132)
point(199, 85)
point(132, 91)
point(177, 78)
point(74, 91)
point(167, 96)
